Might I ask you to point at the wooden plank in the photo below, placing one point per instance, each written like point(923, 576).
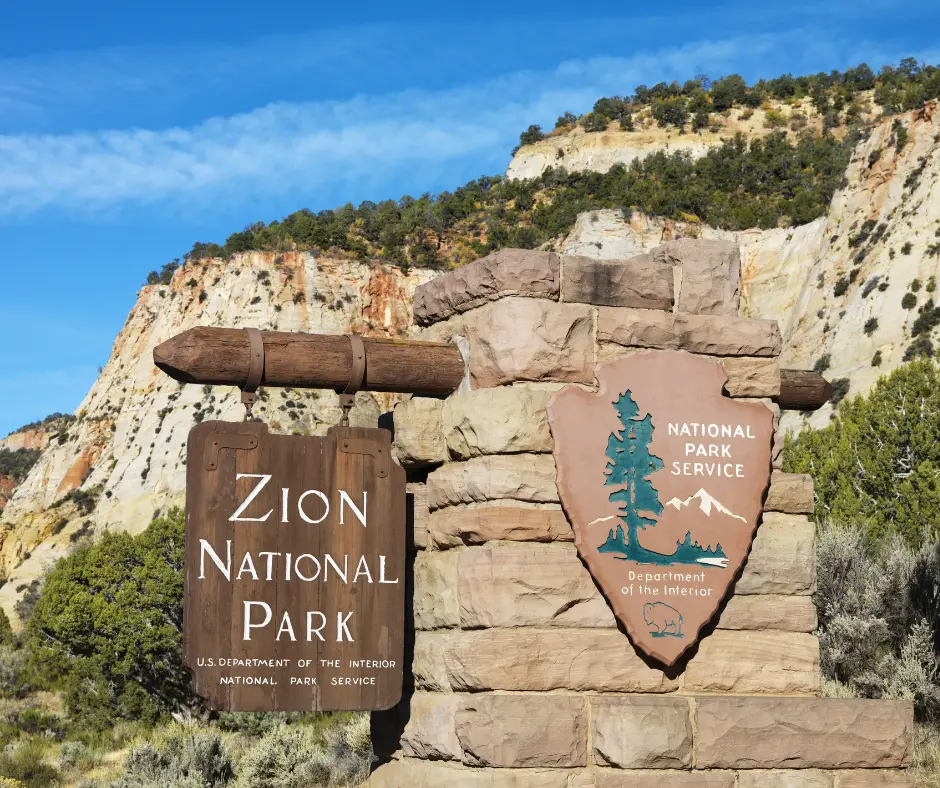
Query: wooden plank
point(288, 509)
point(219, 356)
point(803, 390)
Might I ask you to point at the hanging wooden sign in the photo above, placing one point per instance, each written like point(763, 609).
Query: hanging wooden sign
point(662, 478)
point(295, 569)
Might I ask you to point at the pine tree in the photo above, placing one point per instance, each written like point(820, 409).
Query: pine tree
point(630, 464)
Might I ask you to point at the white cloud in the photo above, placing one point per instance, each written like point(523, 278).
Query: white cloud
point(286, 145)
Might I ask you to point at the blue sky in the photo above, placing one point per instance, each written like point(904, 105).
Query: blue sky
point(130, 130)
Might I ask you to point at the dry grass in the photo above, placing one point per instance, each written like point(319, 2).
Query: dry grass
point(927, 755)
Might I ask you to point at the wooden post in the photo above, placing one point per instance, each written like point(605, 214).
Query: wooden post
point(801, 389)
point(220, 357)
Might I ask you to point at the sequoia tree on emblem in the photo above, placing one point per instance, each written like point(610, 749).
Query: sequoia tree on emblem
point(662, 477)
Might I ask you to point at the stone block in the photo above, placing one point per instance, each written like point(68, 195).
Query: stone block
point(500, 520)
point(533, 660)
point(802, 733)
point(419, 438)
point(793, 778)
point(529, 339)
point(525, 585)
point(752, 377)
point(638, 282)
point(518, 477)
point(711, 274)
point(520, 272)
point(506, 420)
point(875, 778)
point(615, 778)
point(435, 590)
point(791, 493)
point(769, 612)
point(641, 733)
point(782, 558)
point(430, 732)
point(713, 335)
point(417, 513)
point(412, 773)
point(780, 663)
point(522, 730)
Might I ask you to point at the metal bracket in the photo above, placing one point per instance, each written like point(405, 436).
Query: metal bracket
point(227, 440)
point(357, 373)
point(367, 447)
point(255, 370)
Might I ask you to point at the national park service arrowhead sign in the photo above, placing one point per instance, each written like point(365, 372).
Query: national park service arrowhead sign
point(662, 478)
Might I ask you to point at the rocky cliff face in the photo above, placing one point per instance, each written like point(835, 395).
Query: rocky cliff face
point(123, 459)
point(576, 149)
point(834, 285)
point(36, 438)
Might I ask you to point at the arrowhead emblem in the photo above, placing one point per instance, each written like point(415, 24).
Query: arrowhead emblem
point(662, 477)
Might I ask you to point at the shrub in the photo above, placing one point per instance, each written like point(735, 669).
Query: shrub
point(906, 249)
point(286, 757)
point(25, 762)
point(671, 112)
point(14, 681)
point(840, 287)
point(876, 359)
point(107, 626)
point(256, 723)
point(531, 135)
point(922, 347)
point(870, 285)
point(909, 301)
point(26, 604)
point(77, 755)
point(7, 638)
point(871, 325)
point(292, 757)
point(876, 463)
point(840, 388)
point(774, 119)
point(878, 617)
point(822, 364)
point(164, 275)
point(188, 759)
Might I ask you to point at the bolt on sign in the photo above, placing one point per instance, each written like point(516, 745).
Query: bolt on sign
point(295, 569)
point(663, 478)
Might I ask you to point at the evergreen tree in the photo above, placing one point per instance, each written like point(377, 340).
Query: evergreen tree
point(878, 464)
point(630, 464)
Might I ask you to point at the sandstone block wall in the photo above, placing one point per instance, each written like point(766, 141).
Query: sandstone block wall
point(520, 675)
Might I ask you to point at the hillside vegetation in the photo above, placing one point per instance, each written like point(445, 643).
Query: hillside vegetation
point(837, 96)
point(784, 179)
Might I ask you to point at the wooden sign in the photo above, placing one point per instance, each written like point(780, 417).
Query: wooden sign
point(295, 569)
point(662, 478)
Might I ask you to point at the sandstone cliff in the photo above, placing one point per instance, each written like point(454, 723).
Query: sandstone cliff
point(827, 281)
point(123, 459)
point(575, 149)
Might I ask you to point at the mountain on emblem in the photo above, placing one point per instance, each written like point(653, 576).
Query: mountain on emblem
point(627, 457)
point(706, 502)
